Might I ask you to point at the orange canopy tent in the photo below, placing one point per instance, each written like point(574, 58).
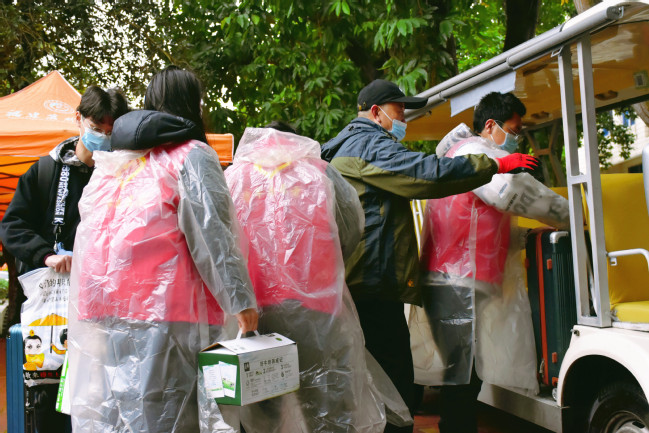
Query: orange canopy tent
point(33, 121)
point(224, 146)
point(37, 118)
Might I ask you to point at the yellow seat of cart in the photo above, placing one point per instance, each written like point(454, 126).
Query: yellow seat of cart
point(634, 312)
point(626, 226)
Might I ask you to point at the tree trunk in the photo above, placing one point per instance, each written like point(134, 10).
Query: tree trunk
point(364, 60)
point(582, 5)
point(451, 47)
point(521, 21)
point(442, 72)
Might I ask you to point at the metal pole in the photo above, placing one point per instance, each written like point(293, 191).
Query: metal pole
point(580, 253)
point(593, 184)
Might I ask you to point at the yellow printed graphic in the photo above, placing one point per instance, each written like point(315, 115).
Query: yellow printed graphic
point(271, 173)
point(136, 165)
point(50, 320)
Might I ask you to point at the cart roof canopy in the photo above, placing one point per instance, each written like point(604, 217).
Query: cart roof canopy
point(620, 53)
point(40, 116)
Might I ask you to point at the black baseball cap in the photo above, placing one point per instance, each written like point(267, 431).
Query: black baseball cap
point(379, 92)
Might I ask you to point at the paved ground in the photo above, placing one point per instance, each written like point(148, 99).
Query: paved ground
point(491, 420)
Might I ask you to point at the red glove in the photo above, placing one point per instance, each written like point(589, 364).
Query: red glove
point(516, 160)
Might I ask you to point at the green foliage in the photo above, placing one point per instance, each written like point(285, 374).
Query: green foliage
point(305, 62)
point(32, 33)
point(610, 133)
point(4, 288)
point(259, 60)
point(553, 13)
point(482, 34)
point(117, 43)
point(481, 30)
point(426, 146)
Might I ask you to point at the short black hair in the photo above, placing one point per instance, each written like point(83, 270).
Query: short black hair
point(497, 106)
point(280, 125)
point(63, 336)
point(118, 102)
point(176, 91)
point(97, 103)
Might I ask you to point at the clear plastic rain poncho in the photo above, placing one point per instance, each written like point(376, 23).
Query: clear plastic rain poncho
point(296, 211)
point(473, 286)
point(157, 262)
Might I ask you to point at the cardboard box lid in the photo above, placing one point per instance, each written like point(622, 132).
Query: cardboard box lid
point(251, 344)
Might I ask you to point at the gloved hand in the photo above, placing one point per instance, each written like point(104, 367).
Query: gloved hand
point(516, 160)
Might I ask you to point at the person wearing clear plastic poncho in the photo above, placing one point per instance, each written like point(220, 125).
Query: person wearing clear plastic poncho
point(301, 218)
point(157, 269)
point(40, 223)
point(472, 286)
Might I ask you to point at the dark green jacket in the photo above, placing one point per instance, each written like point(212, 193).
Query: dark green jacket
point(386, 177)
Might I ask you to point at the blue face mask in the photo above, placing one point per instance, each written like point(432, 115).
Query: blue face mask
point(94, 141)
point(510, 145)
point(398, 127)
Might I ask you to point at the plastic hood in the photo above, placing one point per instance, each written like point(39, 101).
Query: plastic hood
point(270, 147)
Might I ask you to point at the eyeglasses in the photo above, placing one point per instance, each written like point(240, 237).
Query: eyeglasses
point(92, 126)
point(516, 136)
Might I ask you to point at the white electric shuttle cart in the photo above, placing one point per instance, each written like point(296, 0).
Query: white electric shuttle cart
point(596, 61)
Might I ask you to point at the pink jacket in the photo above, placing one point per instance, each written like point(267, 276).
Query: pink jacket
point(137, 264)
point(286, 210)
point(460, 226)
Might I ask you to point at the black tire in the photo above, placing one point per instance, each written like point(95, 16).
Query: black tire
point(619, 407)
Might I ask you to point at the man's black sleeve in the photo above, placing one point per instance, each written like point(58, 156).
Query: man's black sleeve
point(24, 220)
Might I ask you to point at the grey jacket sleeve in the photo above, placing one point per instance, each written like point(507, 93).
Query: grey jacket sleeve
point(350, 217)
point(207, 218)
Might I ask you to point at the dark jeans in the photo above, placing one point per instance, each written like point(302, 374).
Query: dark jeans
point(450, 313)
point(459, 406)
point(388, 339)
point(46, 418)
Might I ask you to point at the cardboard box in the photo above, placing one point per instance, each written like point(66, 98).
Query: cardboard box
point(248, 370)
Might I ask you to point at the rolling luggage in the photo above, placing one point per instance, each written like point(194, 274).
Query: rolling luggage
point(551, 289)
point(20, 415)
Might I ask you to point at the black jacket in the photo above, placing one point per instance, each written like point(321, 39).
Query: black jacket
point(26, 230)
point(145, 129)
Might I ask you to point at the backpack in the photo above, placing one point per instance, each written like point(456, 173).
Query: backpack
point(48, 172)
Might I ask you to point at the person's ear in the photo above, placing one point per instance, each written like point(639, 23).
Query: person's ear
point(77, 116)
point(375, 112)
point(489, 125)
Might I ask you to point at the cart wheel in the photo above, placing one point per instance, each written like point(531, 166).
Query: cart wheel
point(620, 407)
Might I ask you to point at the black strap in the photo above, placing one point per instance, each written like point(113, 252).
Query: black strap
point(47, 168)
